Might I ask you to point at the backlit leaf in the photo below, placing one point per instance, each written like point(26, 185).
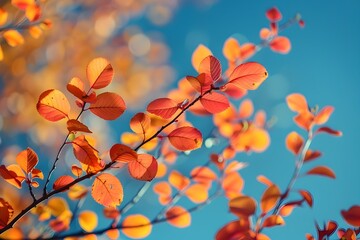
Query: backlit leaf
point(304, 120)
point(231, 49)
point(232, 185)
point(162, 170)
point(3, 16)
point(269, 198)
point(27, 160)
point(77, 192)
point(62, 181)
point(211, 66)
point(163, 107)
point(273, 220)
point(76, 87)
point(294, 142)
point(264, 180)
point(242, 206)
point(140, 123)
point(22, 4)
point(136, 226)
point(57, 206)
point(13, 38)
point(352, 216)
point(297, 102)
point(12, 174)
point(197, 193)
point(53, 105)
point(143, 168)
point(201, 83)
point(247, 50)
point(280, 45)
point(37, 173)
point(233, 91)
point(311, 155)
point(113, 234)
point(162, 188)
point(273, 14)
point(329, 131)
point(233, 230)
point(323, 171)
point(33, 12)
point(178, 217)
point(323, 115)
point(108, 106)
point(6, 212)
point(107, 190)
point(178, 180)
point(77, 171)
point(248, 76)
point(88, 221)
point(265, 33)
point(99, 73)
point(74, 125)
point(185, 138)
point(214, 102)
point(198, 55)
point(246, 109)
point(203, 175)
point(86, 153)
point(122, 153)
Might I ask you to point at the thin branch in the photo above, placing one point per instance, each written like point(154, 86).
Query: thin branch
point(31, 192)
point(136, 198)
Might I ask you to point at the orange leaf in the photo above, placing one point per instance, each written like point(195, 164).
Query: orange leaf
point(77, 171)
point(307, 196)
point(88, 221)
point(265, 33)
point(329, 131)
point(12, 174)
point(264, 180)
point(163, 107)
point(311, 155)
point(247, 50)
point(211, 66)
point(162, 169)
point(322, 170)
point(6, 212)
point(3, 16)
point(269, 198)
point(33, 12)
point(231, 49)
point(113, 234)
point(37, 173)
point(248, 76)
point(86, 153)
point(273, 220)
point(178, 180)
point(185, 138)
point(352, 216)
point(53, 105)
point(242, 206)
point(233, 230)
point(27, 160)
point(232, 184)
point(234, 166)
point(203, 175)
point(246, 109)
point(143, 168)
point(76, 87)
point(108, 106)
point(178, 217)
point(201, 83)
point(13, 38)
point(122, 153)
point(214, 102)
point(297, 102)
point(233, 91)
point(294, 142)
point(162, 188)
point(323, 115)
point(62, 181)
point(22, 4)
point(107, 190)
point(304, 120)
point(136, 226)
point(198, 55)
point(1, 54)
point(286, 209)
point(77, 192)
point(111, 213)
point(197, 193)
point(273, 14)
point(74, 125)
point(140, 123)
point(99, 73)
point(280, 45)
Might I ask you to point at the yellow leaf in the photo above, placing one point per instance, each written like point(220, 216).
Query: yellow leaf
point(13, 38)
point(88, 220)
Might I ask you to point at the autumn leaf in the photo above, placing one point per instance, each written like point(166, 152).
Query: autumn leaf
point(294, 142)
point(6, 212)
point(107, 190)
point(33, 12)
point(185, 138)
point(352, 216)
point(108, 106)
point(198, 55)
point(53, 105)
point(163, 107)
point(74, 125)
point(215, 102)
point(211, 66)
point(233, 230)
point(197, 193)
point(280, 45)
point(88, 220)
point(136, 226)
point(86, 153)
point(269, 198)
point(62, 181)
point(231, 49)
point(143, 168)
point(178, 217)
point(329, 131)
point(323, 171)
point(76, 87)
point(307, 196)
point(140, 122)
point(311, 155)
point(12, 174)
point(247, 50)
point(27, 160)
point(246, 109)
point(323, 115)
point(232, 185)
point(273, 14)
point(99, 73)
point(297, 102)
point(178, 180)
point(248, 76)
point(242, 206)
point(122, 153)
point(273, 220)
point(13, 38)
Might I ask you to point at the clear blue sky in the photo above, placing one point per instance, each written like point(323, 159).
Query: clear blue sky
point(324, 65)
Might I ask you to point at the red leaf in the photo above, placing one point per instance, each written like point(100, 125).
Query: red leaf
point(311, 155)
point(6, 212)
point(163, 107)
point(214, 102)
point(53, 105)
point(99, 73)
point(273, 220)
point(242, 206)
point(211, 66)
point(27, 160)
point(280, 45)
point(323, 115)
point(297, 102)
point(269, 198)
point(107, 190)
point(201, 83)
point(247, 50)
point(12, 174)
point(140, 123)
point(307, 196)
point(329, 131)
point(294, 142)
point(248, 76)
point(322, 170)
point(144, 168)
point(86, 153)
point(185, 138)
point(352, 216)
point(74, 125)
point(273, 14)
point(62, 181)
point(233, 230)
point(108, 106)
point(76, 87)
point(122, 153)
point(246, 109)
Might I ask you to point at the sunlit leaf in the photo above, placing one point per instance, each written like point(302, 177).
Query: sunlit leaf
point(232, 184)
point(6, 212)
point(311, 155)
point(143, 168)
point(13, 38)
point(307, 196)
point(323, 115)
point(57, 205)
point(163, 107)
point(122, 153)
point(247, 50)
point(304, 120)
point(88, 220)
point(273, 14)
point(37, 173)
point(12, 174)
point(110, 212)
point(233, 230)
point(162, 170)
point(234, 166)
point(198, 55)
point(297, 102)
point(201, 83)
point(231, 49)
point(107, 190)
point(294, 142)
point(76, 87)
point(329, 131)
point(211, 66)
point(140, 123)
point(178, 217)
point(77, 192)
point(215, 102)
point(248, 76)
point(35, 31)
point(203, 175)
point(280, 45)
point(269, 198)
point(14, 233)
point(22, 4)
point(162, 188)
point(53, 105)
point(178, 180)
point(197, 193)
point(108, 106)
point(286, 209)
point(185, 138)
point(265, 33)
point(27, 160)
point(273, 220)
point(77, 171)
point(264, 180)
point(323, 171)
point(33, 12)
point(113, 234)
point(74, 125)
point(233, 91)
point(3, 16)
point(246, 109)
point(86, 153)
point(99, 73)
point(62, 181)
point(136, 226)
point(242, 206)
